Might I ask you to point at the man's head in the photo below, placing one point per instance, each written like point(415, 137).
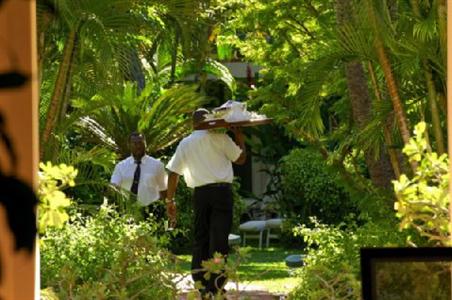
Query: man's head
point(199, 115)
point(137, 144)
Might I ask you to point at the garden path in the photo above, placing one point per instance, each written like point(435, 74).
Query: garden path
point(248, 292)
point(243, 295)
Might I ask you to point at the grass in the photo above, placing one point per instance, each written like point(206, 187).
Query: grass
point(264, 268)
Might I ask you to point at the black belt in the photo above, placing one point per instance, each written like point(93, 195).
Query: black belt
point(216, 184)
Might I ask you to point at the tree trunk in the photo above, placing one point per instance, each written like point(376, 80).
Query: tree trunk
point(46, 16)
point(380, 170)
point(391, 84)
point(393, 156)
point(61, 83)
point(442, 29)
point(432, 99)
point(174, 55)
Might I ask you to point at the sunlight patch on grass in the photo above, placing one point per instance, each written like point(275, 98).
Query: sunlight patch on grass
point(265, 268)
point(277, 286)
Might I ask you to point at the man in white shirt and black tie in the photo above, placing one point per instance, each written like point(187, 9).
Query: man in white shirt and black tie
point(141, 174)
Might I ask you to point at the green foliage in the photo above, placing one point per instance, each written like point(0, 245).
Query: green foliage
point(181, 242)
point(257, 267)
point(161, 115)
point(414, 280)
point(52, 201)
point(229, 267)
point(211, 67)
point(113, 42)
point(106, 256)
point(310, 188)
point(48, 294)
point(94, 165)
point(282, 37)
point(422, 201)
point(332, 257)
point(325, 283)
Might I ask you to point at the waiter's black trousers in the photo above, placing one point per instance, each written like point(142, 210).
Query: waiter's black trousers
point(212, 224)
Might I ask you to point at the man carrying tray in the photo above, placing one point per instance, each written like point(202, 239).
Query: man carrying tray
point(205, 159)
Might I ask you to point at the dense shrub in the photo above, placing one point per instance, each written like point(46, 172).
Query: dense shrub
point(423, 200)
point(52, 201)
point(104, 257)
point(310, 188)
point(332, 262)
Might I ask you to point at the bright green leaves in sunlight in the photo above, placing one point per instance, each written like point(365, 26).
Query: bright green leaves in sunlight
point(423, 199)
point(53, 202)
point(417, 146)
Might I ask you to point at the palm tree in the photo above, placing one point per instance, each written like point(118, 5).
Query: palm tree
point(414, 42)
point(104, 29)
point(377, 25)
point(161, 116)
point(431, 89)
point(361, 104)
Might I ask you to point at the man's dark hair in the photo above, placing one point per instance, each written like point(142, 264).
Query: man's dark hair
point(136, 134)
point(199, 115)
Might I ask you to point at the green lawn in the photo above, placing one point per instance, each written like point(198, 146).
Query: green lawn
point(265, 268)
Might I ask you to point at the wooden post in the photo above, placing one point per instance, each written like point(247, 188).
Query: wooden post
point(449, 120)
point(449, 109)
point(19, 106)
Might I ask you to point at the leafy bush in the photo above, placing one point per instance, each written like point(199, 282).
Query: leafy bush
point(332, 262)
point(105, 256)
point(423, 200)
point(310, 188)
point(52, 201)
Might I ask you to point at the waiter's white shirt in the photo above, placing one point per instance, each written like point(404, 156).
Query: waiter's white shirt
point(205, 157)
point(153, 178)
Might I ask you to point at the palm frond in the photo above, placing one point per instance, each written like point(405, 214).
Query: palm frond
point(162, 118)
point(211, 67)
point(371, 137)
point(217, 69)
point(166, 120)
point(90, 165)
point(356, 43)
point(425, 30)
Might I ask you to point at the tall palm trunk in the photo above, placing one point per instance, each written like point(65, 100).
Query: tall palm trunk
point(393, 156)
point(434, 111)
point(174, 55)
point(442, 29)
point(46, 13)
point(380, 170)
point(41, 46)
point(402, 121)
point(61, 84)
point(393, 91)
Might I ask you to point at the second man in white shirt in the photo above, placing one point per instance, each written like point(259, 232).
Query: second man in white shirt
point(140, 173)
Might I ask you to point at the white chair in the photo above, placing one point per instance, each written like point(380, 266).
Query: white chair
point(276, 225)
point(257, 227)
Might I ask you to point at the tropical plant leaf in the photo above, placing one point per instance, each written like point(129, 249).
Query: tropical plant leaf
point(160, 115)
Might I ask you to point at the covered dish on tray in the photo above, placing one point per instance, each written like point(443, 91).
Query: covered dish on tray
point(232, 114)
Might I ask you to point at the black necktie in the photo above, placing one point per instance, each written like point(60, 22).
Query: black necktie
point(136, 178)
